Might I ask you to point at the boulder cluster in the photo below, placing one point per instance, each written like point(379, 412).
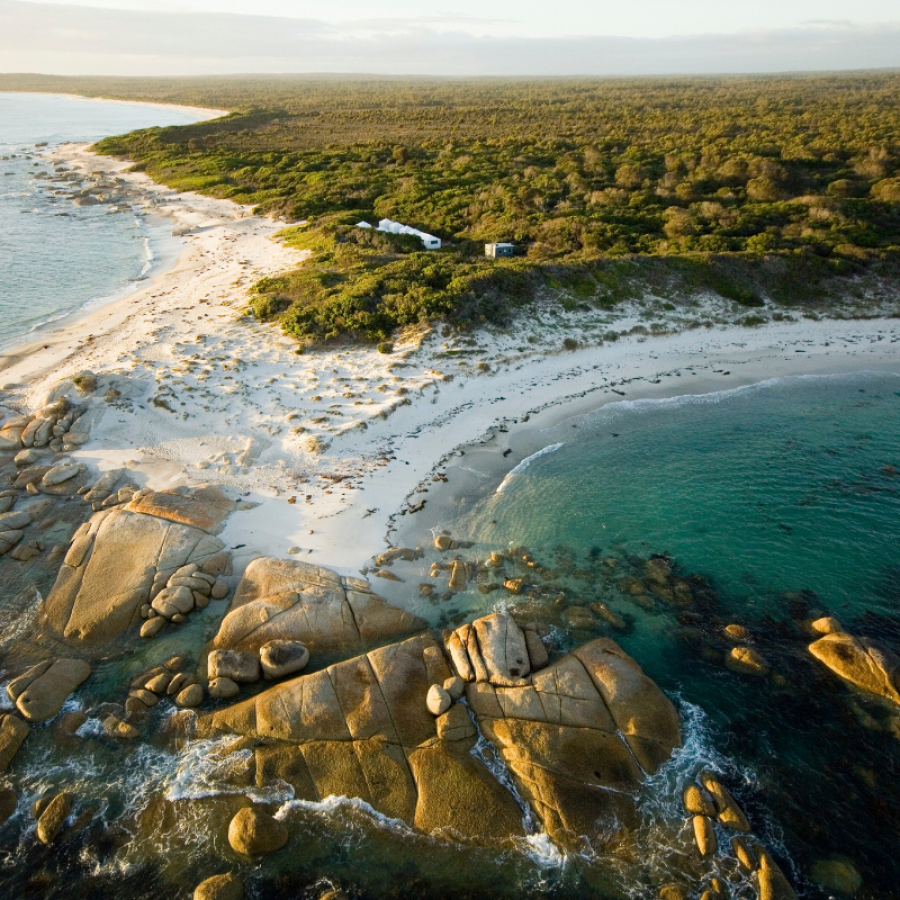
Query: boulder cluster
point(397, 726)
point(187, 589)
point(153, 558)
point(58, 426)
point(709, 804)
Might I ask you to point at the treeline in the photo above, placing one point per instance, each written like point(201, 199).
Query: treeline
point(575, 171)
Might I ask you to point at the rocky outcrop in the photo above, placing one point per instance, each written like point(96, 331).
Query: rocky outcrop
point(13, 732)
point(53, 818)
point(48, 427)
point(574, 737)
point(279, 659)
point(39, 694)
point(577, 737)
point(285, 600)
point(253, 833)
point(492, 649)
point(123, 557)
point(220, 887)
point(861, 663)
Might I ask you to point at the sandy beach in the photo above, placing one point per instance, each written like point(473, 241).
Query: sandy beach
point(335, 446)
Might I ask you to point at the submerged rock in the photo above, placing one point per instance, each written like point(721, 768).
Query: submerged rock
point(837, 874)
point(673, 892)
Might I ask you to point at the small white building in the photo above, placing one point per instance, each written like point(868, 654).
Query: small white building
point(391, 227)
point(494, 251)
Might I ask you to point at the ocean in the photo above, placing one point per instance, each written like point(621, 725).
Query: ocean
point(780, 502)
point(58, 258)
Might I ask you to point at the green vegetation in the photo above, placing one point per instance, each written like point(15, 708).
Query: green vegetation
point(755, 188)
point(367, 284)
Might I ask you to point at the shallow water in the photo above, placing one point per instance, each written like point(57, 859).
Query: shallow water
point(57, 258)
point(785, 497)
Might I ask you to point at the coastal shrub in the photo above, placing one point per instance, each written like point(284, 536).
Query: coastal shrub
point(736, 186)
point(888, 191)
point(386, 347)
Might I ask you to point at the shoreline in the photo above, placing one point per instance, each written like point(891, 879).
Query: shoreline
point(167, 250)
point(213, 113)
point(164, 258)
point(485, 463)
point(334, 446)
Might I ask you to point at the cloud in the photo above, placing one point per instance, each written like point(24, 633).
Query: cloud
point(73, 40)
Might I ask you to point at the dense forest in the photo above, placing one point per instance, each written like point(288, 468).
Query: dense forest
point(727, 179)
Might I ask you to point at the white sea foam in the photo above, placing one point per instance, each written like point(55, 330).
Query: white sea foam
point(649, 404)
point(541, 850)
point(522, 466)
point(336, 806)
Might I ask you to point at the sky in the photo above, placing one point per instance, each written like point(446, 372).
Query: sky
point(463, 37)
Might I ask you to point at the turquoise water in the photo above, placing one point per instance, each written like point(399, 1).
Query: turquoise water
point(782, 502)
point(786, 485)
point(57, 258)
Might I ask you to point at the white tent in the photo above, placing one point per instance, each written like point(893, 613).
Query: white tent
point(429, 240)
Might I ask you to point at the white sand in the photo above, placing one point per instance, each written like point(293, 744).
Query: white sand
point(349, 435)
